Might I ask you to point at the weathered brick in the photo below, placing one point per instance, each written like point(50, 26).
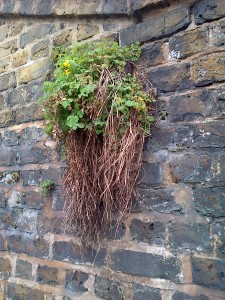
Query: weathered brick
point(47, 275)
point(2, 243)
point(210, 201)
point(188, 43)
point(180, 295)
point(4, 32)
point(86, 7)
point(219, 231)
point(152, 54)
point(16, 199)
point(156, 27)
point(107, 289)
point(34, 71)
point(30, 177)
point(85, 31)
point(22, 292)
point(143, 292)
point(64, 38)
point(72, 252)
point(33, 155)
point(19, 58)
point(4, 64)
point(171, 78)
point(7, 81)
point(8, 6)
point(15, 96)
point(58, 200)
point(27, 220)
point(7, 117)
point(136, 4)
point(151, 233)
point(190, 106)
point(36, 32)
point(209, 69)
point(146, 264)
point(2, 198)
point(218, 34)
point(34, 91)
point(65, 8)
point(30, 245)
point(208, 10)
point(151, 174)
point(9, 178)
point(8, 48)
point(7, 157)
point(9, 218)
point(23, 269)
point(2, 102)
point(160, 200)
point(190, 237)
point(115, 7)
point(33, 200)
point(26, 7)
point(44, 7)
point(208, 272)
point(16, 27)
point(5, 268)
point(74, 280)
point(40, 49)
point(27, 113)
point(114, 231)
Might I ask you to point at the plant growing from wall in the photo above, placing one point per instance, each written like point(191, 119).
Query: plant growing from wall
point(46, 186)
point(99, 105)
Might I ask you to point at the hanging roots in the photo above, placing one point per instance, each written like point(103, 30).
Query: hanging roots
point(101, 171)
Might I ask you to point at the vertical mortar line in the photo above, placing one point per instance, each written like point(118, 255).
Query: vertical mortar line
point(51, 240)
point(166, 294)
point(129, 9)
point(13, 261)
point(34, 271)
point(186, 268)
point(61, 276)
point(214, 238)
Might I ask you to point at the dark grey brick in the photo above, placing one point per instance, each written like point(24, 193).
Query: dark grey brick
point(208, 10)
point(108, 289)
point(210, 201)
point(143, 292)
point(208, 272)
point(171, 78)
point(156, 27)
point(40, 49)
point(115, 7)
point(47, 275)
point(44, 7)
point(5, 268)
point(34, 33)
point(151, 233)
point(150, 174)
point(75, 280)
point(23, 269)
point(22, 292)
point(190, 237)
point(8, 6)
point(146, 264)
point(26, 7)
point(218, 230)
point(183, 296)
point(15, 96)
point(152, 54)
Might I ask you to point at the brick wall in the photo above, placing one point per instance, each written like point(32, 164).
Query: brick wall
point(171, 245)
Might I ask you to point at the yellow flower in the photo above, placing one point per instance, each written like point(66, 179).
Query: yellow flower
point(66, 64)
point(67, 72)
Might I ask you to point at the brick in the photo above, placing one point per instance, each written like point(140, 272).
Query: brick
point(34, 178)
point(180, 295)
point(68, 251)
point(219, 231)
point(8, 6)
point(5, 268)
point(2, 102)
point(4, 64)
point(34, 91)
point(7, 117)
point(153, 233)
point(188, 43)
point(8, 48)
point(208, 272)
point(85, 31)
point(9, 178)
point(23, 269)
point(190, 106)
point(4, 32)
point(33, 200)
point(33, 155)
point(190, 237)
point(58, 200)
point(208, 69)
point(86, 7)
point(105, 288)
point(136, 4)
point(150, 174)
point(2, 199)
point(65, 8)
point(44, 7)
point(2, 243)
point(10, 138)
point(149, 265)
point(29, 112)
point(26, 7)
point(19, 58)
point(210, 201)
point(114, 231)
point(15, 96)
point(34, 71)
point(171, 78)
point(16, 199)
point(152, 54)
point(22, 292)
point(208, 10)
point(7, 81)
point(9, 218)
point(40, 49)
point(64, 38)
point(143, 292)
point(34, 33)
point(27, 221)
point(156, 27)
point(30, 245)
point(115, 7)
point(74, 280)
point(218, 34)
point(16, 27)
point(47, 275)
